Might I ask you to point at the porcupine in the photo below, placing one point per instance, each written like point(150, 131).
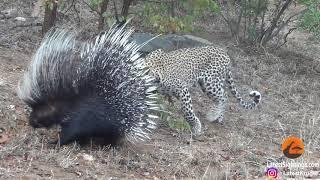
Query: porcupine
point(91, 89)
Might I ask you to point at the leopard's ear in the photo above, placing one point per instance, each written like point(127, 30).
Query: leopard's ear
point(154, 55)
point(158, 51)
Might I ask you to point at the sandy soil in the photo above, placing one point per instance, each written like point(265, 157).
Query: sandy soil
point(240, 148)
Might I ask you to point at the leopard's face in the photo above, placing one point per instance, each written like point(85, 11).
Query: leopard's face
point(154, 58)
point(154, 62)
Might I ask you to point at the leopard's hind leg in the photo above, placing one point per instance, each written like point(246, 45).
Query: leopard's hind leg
point(214, 88)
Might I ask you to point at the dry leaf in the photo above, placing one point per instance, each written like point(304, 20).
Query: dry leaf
point(3, 138)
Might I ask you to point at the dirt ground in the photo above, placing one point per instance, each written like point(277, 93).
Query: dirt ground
point(240, 148)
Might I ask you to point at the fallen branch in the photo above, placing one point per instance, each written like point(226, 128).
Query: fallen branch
point(26, 25)
point(285, 40)
point(72, 4)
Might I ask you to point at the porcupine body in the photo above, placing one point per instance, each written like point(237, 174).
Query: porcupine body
point(91, 89)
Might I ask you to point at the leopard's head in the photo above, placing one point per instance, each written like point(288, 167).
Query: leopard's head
point(154, 61)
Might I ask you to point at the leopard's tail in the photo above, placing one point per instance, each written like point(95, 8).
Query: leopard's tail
point(247, 105)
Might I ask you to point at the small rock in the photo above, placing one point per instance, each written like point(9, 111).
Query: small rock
point(146, 174)
point(20, 19)
point(112, 178)
point(87, 157)
point(9, 13)
point(12, 107)
point(2, 82)
point(25, 178)
point(155, 178)
point(4, 138)
point(78, 174)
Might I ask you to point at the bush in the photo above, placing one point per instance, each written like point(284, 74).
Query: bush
point(310, 20)
point(170, 16)
point(257, 21)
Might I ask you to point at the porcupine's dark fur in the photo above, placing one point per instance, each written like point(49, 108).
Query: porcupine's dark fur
point(97, 89)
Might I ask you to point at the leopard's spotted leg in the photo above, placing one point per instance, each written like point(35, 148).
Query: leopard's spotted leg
point(183, 94)
point(191, 118)
point(220, 108)
point(166, 92)
point(214, 88)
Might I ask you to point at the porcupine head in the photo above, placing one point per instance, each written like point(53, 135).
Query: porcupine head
point(98, 88)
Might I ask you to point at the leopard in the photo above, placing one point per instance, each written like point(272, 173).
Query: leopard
point(175, 72)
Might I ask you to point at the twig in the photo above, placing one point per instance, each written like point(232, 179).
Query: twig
point(282, 129)
point(268, 32)
point(77, 12)
point(285, 23)
point(27, 25)
point(205, 173)
point(69, 7)
point(94, 10)
point(263, 20)
point(116, 12)
point(286, 36)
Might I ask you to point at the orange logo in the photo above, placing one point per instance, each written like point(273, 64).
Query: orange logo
point(292, 147)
